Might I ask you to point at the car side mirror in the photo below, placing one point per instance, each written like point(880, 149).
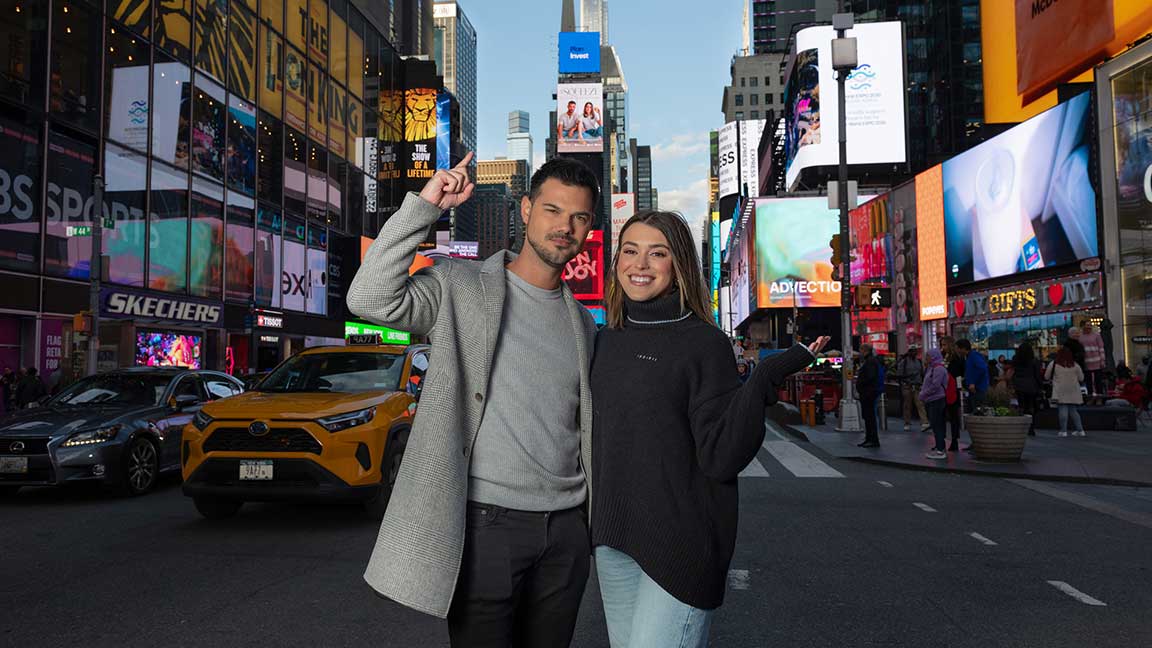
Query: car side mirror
point(415, 386)
point(184, 400)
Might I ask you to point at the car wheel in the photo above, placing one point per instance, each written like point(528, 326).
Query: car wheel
point(217, 508)
point(7, 491)
point(389, 470)
point(141, 467)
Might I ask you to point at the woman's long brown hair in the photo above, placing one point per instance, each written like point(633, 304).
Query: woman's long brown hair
point(685, 266)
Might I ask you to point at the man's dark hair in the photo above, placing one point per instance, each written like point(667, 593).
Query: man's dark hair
point(572, 102)
point(568, 171)
point(963, 344)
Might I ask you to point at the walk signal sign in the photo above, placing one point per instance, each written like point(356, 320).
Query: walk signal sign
point(873, 296)
point(837, 257)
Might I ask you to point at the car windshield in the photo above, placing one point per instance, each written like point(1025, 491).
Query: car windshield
point(336, 372)
point(117, 389)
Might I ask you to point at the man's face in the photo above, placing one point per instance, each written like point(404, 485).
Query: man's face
point(557, 222)
point(571, 107)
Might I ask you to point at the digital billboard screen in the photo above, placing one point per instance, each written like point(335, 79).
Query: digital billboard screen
point(1023, 200)
point(729, 166)
point(579, 52)
point(579, 117)
point(870, 239)
point(740, 290)
point(585, 274)
point(623, 207)
point(791, 252)
point(874, 95)
point(161, 349)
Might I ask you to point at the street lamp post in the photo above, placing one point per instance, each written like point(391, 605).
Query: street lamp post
point(95, 272)
point(844, 61)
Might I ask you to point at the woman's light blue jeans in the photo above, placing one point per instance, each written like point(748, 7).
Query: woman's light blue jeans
point(640, 614)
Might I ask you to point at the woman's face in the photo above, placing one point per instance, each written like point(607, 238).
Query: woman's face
point(644, 270)
point(588, 109)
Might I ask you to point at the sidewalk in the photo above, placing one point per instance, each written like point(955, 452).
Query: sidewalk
point(1122, 458)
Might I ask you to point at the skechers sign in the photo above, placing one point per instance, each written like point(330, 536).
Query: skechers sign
point(579, 52)
point(124, 304)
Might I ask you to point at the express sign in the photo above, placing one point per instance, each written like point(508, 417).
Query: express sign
point(121, 304)
point(1079, 291)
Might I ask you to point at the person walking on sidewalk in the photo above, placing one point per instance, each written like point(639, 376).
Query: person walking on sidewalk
point(933, 393)
point(1094, 362)
point(1027, 381)
point(954, 363)
point(1066, 377)
point(910, 373)
point(976, 376)
point(487, 523)
point(869, 386)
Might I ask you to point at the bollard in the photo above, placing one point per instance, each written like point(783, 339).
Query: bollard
point(818, 399)
point(882, 413)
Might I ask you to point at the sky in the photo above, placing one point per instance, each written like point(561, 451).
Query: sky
point(675, 55)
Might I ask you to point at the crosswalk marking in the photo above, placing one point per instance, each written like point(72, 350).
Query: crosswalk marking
point(1076, 594)
point(798, 461)
point(924, 507)
point(754, 469)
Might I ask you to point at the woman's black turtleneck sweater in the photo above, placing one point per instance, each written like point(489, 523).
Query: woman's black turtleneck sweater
point(673, 429)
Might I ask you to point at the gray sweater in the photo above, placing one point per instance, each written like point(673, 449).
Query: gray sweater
point(527, 451)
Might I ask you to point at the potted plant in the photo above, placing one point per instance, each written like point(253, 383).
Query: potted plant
point(999, 431)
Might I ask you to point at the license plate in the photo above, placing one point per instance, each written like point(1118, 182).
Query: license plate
point(13, 464)
point(258, 470)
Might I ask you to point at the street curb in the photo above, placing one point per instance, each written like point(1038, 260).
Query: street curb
point(1107, 481)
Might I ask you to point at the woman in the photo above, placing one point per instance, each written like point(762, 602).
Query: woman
point(933, 393)
point(1066, 377)
point(674, 428)
point(591, 124)
point(1027, 381)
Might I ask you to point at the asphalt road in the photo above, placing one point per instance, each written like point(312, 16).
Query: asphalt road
point(824, 560)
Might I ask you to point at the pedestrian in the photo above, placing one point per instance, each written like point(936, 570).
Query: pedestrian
point(976, 377)
point(954, 362)
point(934, 395)
point(7, 389)
point(487, 525)
point(30, 390)
point(910, 373)
point(742, 370)
point(869, 388)
point(674, 428)
point(1066, 377)
point(1073, 344)
point(1027, 382)
point(1094, 361)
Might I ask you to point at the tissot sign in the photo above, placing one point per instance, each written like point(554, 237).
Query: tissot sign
point(124, 304)
point(1068, 293)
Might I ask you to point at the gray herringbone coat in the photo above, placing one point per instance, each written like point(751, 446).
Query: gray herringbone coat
point(458, 304)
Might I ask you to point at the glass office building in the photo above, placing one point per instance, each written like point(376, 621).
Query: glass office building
point(243, 144)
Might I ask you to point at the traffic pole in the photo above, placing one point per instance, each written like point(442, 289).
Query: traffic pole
point(849, 419)
point(96, 269)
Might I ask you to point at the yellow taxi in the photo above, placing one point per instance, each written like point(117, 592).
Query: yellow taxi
point(328, 423)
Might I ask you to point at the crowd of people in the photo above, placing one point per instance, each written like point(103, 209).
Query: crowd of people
point(19, 389)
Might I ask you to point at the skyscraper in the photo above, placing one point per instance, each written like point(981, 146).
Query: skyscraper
point(520, 138)
point(455, 54)
point(413, 27)
point(774, 20)
point(495, 214)
point(642, 172)
point(616, 107)
point(594, 18)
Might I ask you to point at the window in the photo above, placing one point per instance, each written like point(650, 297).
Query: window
point(317, 182)
point(220, 387)
point(739, 100)
point(19, 194)
point(338, 41)
point(295, 106)
point(752, 81)
point(316, 293)
point(125, 195)
point(363, 55)
point(743, 82)
point(781, 97)
point(174, 27)
point(206, 240)
point(75, 79)
point(126, 90)
point(211, 45)
point(270, 159)
point(295, 171)
point(208, 127)
point(242, 49)
point(754, 99)
point(767, 97)
point(317, 105)
point(68, 250)
point(168, 229)
point(268, 256)
point(294, 275)
point(739, 115)
point(189, 386)
point(24, 41)
point(171, 110)
point(239, 261)
point(270, 72)
point(241, 152)
point(296, 23)
point(755, 114)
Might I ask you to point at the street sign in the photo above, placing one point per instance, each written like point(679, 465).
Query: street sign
point(872, 296)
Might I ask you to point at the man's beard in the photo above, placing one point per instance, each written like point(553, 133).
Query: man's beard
point(554, 258)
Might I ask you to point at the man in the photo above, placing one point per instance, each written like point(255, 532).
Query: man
point(568, 124)
point(910, 373)
point(1094, 362)
point(869, 388)
point(976, 376)
point(486, 525)
point(955, 365)
point(30, 389)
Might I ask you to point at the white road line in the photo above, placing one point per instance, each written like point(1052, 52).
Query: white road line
point(754, 469)
point(885, 484)
point(798, 461)
point(739, 579)
point(1088, 502)
point(770, 427)
point(982, 539)
point(1076, 594)
point(924, 507)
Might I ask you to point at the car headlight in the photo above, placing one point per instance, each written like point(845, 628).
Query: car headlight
point(92, 437)
point(201, 421)
point(345, 421)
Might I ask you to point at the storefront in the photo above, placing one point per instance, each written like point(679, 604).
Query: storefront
point(146, 329)
point(997, 320)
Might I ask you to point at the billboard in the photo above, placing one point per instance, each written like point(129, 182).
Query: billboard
point(443, 130)
point(870, 239)
point(932, 273)
point(1023, 200)
point(420, 133)
point(729, 163)
point(579, 117)
point(585, 274)
point(750, 132)
point(579, 52)
point(740, 288)
point(874, 96)
point(793, 263)
point(623, 206)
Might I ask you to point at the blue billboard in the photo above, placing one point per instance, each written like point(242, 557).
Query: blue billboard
point(579, 52)
point(443, 130)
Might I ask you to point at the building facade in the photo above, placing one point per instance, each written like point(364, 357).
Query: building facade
point(616, 107)
point(594, 18)
point(455, 52)
point(773, 21)
point(515, 174)
point(756, 89)
point(245, 149)
point(520, 138)
point(642, 172)
point(496, 214)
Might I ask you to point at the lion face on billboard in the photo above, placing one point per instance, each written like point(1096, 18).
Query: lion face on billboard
point(421, 113)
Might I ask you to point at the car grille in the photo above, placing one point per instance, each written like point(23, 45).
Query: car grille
point(237, 439)
point(31, 446)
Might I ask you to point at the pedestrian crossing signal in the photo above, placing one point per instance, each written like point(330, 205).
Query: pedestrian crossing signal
point(836, 254)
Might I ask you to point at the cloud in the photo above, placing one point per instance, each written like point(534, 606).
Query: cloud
point(681, 146)
point(692, 201)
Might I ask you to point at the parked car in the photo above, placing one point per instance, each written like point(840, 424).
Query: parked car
point(251, 380)
point(119, 428)
point(328, 423)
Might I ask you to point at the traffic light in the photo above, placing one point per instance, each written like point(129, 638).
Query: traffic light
point(836, 255)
